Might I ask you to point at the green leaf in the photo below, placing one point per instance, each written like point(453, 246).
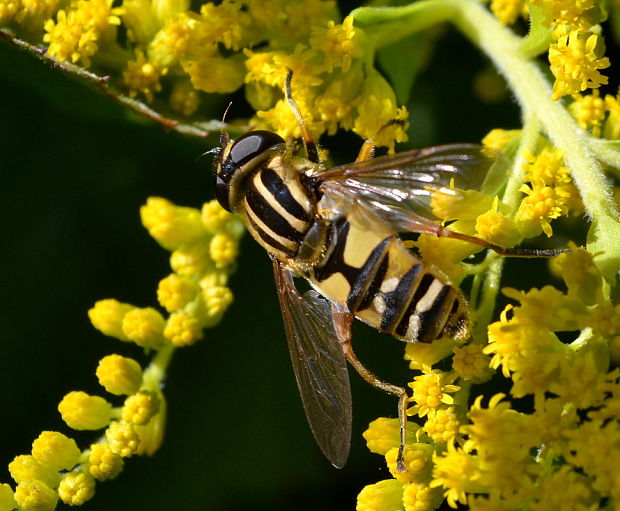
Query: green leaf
point(539, 37)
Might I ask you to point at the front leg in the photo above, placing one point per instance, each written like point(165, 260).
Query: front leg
point(343, 320)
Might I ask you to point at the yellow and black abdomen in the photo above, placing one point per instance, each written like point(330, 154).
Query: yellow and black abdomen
point(374, 276)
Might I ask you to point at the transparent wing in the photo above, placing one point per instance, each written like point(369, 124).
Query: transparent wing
point(319, 364)
point(401, 185)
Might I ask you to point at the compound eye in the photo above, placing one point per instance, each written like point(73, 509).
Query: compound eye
point(251, 145)
point(221, 192)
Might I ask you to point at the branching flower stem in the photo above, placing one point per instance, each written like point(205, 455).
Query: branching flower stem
point(533, 92)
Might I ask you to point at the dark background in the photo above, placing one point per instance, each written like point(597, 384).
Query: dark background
point(74, 170)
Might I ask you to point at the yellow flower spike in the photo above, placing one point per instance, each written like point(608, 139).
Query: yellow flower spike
point(605, 319)
point(216, 299)
point(497, 139)
point(26, 468)
point(182, 329)
point(145, 327)
point(215, 74)
point(383, 434)
point(582, 277)
point(83, 412)
point(459, 473)
point(56, 450)
point(119, 375)
point(612, 124)
point(103, 464)
point(577, 14)
point(432, 391)
point(35, 496)
point(215, 217)
point(422, 356)
point(442, 424)
point(590, 111)
point(175, 292)
point(215, 278)
point(184, 99)
point(76, 488)
point(421, 497)
point(497, 228)
point(470, 363)
point(575, 61)
point(507, 11)
point(192, 258)
point(122, 438)
point(223, 249)
point(541, 204)
point(382, 496)
point(418, 459)
point(68, 40)
point(107, 317)
point(171, 225)
point(7, 502)
point(152, 434)
point(339, 43)
point(140, 407)
point(547, 167)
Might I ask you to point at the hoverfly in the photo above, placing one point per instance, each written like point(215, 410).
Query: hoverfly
point(338, 228)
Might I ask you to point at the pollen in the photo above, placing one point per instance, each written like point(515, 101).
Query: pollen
point(458, 472)
point(56, 450)
point(140, 407)
point(421, 497)
point(442, 425)
point(103, 464)
point(119, 375)
point(69, 40)
point(418, 458)
point(383, 434)
point(470, 363)
point(339, 43)
point(384, 495)
point(590, 111)
point(547, 167)
point(145, 327)
point(107, 317)
point(35, 496)
point(175, 292)
point(171, 225)
point(76, 488)
point(122, 439)
point(577, 14)
point(81, 411)
point(223, 249)
point(542, 204)
point(432, 391)
point(26, 468)
point(576, 59)
point(142, 77)
point(182, 329)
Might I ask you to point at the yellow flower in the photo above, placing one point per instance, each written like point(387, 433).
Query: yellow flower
point(175, 292)
point(76, 488)
point(422, 355)
point(142, 77)
point(107, 317)
point(184, 99)
point(151, 434)
point(216, 300)
point(119, 375)
point(575, 62)
point(590, 111)
point(497, 228)
point(339, 43)
point(225, 23)
point(421, 497)
point(381, 496)
point(8, 9)
point(541, 204)
point(182, 329)
point(547, 167)
point(418, 462)
point(507, 11)
point(122, 439)
point(612, 124)
point(35, 496)
point(223, 249)
point(214, 217)
point(56, 450)
point(139, 408)
point(83, 412)
point(215, 74)
point(452, 204)
point(563, 488)
point(497, 139)
point(470, 363)
point(432, 391)
point(442, 425)
point(383, 434)
point(7, 502)
point(605, 319)
point(577, 14)
point(103, 464)
point(145, 327)
point(192, 258)
point(26, 468)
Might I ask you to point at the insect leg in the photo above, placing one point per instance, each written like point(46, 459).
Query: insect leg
point(367, 150)
point(311, 149)
point(342, 323)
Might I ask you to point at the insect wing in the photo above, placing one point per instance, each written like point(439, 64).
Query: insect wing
point(319, 364)
point(399, 187)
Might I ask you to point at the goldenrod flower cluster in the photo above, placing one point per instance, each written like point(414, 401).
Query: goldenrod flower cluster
point(204, 247)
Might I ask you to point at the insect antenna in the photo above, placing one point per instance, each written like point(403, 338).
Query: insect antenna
point(311, 148)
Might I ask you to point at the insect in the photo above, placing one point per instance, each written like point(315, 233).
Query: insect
point(338, 228)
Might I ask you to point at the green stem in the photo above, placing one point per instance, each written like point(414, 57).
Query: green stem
point(156, 371)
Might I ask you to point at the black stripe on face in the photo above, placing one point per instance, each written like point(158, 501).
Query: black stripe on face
point(270, 217)
point(397, 300)
point(433, 320)
point(421, 290)
point(281, 193)
point(370, 267)
point(269, 240)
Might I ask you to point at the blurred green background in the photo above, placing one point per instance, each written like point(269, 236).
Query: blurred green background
point(74, 170)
